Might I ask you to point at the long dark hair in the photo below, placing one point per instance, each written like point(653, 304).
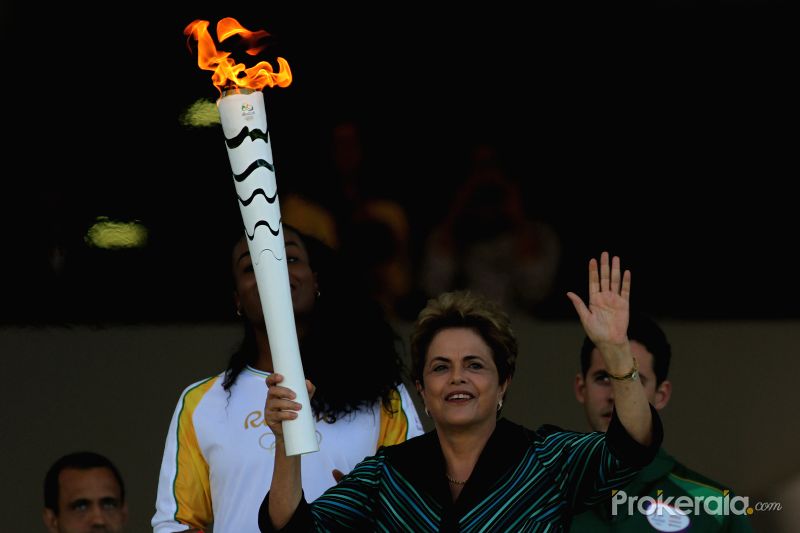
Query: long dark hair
point(351, 351)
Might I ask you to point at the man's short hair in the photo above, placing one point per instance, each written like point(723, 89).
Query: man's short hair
point(644, 330)
point(79, 461)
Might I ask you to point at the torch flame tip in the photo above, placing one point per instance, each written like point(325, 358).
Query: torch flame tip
point(226, 72)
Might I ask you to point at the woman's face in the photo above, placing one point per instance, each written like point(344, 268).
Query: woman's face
point(302, 279)
point(460, 380)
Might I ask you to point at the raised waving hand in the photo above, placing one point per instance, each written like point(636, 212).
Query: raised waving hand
point(605, 320)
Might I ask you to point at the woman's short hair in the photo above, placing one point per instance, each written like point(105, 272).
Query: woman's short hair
point(465, 309)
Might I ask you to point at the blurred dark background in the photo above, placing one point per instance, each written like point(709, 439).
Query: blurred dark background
point(662, 134)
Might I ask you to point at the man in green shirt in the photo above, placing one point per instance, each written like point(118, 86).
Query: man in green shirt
point(666, 495)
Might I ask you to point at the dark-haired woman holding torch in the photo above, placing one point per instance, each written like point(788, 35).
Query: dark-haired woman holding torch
point(219, 452)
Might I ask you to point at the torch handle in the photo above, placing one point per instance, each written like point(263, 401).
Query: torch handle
point(276, 301)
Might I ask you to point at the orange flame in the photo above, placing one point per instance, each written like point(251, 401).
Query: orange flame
point(226, 70)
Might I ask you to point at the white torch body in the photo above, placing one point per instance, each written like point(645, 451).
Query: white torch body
point(244, 123)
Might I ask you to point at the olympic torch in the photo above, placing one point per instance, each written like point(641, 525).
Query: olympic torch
point(244, 123)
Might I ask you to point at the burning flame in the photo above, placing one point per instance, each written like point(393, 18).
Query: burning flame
point(226, 70)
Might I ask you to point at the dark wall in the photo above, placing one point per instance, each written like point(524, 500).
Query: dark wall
point(659, 133)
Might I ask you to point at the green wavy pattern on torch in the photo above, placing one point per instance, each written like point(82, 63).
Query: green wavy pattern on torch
point(252, 168)
point(246, 132)
point(270, 199)
point(275, 232)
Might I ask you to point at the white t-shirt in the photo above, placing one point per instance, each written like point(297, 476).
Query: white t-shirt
point(218, 457)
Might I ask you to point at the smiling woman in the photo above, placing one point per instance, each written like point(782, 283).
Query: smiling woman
point(213, 468)
point(463, 387)
point(476, 471)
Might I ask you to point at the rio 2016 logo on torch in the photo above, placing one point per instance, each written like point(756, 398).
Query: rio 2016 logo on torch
point(247, 110)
